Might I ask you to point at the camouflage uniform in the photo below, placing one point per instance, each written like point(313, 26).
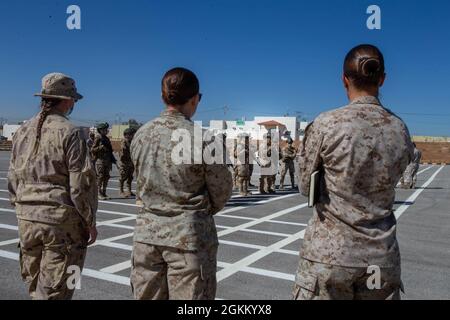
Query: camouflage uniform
point(362, 150)
point(126, 167)
point(266, 182)
point(90, 143)
point(104, 159)
point(288, 155)
point(53, 191)
point(242, 167)
point(409, 178)
point(175, 240)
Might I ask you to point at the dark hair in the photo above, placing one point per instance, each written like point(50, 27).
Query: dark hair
point(47, 104)
point(178, 86)
point(364, 66)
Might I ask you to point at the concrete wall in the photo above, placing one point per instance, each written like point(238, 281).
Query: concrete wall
point(435, 152)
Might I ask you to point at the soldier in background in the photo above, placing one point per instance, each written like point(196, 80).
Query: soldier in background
point(242, 167)
point(361, 151)
point(409, 178)
point(51, 183)
point(90, 143)
point(175, 239)
point(288, 155)
point(266, 181)
point(126, 164)
point(104, 159)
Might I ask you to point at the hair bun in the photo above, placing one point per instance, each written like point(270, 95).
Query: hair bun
point(369, 67)
point(172, 96)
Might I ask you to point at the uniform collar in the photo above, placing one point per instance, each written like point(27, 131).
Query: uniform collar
point(366, 100)
point(173, 113)
point(57, 113)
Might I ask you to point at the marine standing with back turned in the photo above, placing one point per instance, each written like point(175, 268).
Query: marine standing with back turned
point(361, 151)
point(52, 185)
point(175, 240)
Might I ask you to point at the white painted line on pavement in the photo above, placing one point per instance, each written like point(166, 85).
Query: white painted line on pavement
point(420, 172)
point(118, 226)
point(106, 276)
point(290, 252)
point(258, 231)
point(261, 272)
point(9, 255)
point(116, 245)
point(8, 242)
point(224, 212)
point(117, 267)
point(269, 273)
point(119, 203)
point(240, 244)
point(289, 223)
point(269, 233)
point(264, 219)
point(247, 261)
point(102, 223)
point(117, 213)
point(8, 227)
point(400, 210)
point(256, 247)
point(238, 217)
point(107, 240)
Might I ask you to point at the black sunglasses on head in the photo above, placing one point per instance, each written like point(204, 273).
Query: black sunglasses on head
point(200, 95)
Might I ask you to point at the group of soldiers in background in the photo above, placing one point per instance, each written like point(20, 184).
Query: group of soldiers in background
point(103, 158)
point(243, 168)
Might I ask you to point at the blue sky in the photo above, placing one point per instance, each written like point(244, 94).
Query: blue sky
point(255, 57)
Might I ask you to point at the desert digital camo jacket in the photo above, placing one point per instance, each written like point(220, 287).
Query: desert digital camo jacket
point(56, 184)
point(179, 199)
point(125, 155)
point(288, 153)
point(362, 150)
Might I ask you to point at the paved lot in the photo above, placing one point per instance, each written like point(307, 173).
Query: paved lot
point(260, 237)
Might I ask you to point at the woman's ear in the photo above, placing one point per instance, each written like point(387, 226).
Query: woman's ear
point(383, 77)
point(346, 82)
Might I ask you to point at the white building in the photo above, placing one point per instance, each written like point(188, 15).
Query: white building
point(259, 126)
point(9, 130)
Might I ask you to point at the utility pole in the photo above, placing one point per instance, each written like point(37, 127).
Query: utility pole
point(225, 110)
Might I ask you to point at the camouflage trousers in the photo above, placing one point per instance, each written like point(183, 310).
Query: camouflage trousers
point(285, 167)
point(103, 169)
point(267, 184)
point(243, 183)
point(409, 177)
point(126, 172)
point(46, 253)
point(161, 273)
point(126, 175)
point(317, 281)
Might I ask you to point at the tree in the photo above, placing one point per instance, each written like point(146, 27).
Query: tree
point(134, 124)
